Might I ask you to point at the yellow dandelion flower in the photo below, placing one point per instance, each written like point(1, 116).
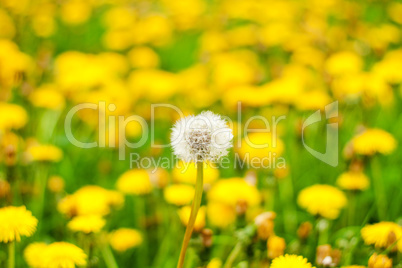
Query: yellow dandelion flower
point(353, 180)
point(373, 141)
point(143, 57)
point(16, 222)
point(47, 96)
point(56, 184)
point(260, 149)
point(87, 224)
point(379, 261)
point(179, 194)
point(220, 215)
point(184, 214)
point(135, 181)
point(378, 234)
point(187, 172)
point(343, 62)
point(63, 255)
point(234, 190)
point(75, 12)
point(290, 261)
point(276, 246)
point(215, 263)
point(123, 239)
point(82, 201)
point(33, 254)
point(45, 153)
point(323, 200)
point(16, 116)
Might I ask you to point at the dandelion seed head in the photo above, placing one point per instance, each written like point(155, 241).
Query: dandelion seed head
point(205, 137)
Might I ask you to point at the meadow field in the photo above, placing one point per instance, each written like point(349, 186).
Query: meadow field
point(94, 95)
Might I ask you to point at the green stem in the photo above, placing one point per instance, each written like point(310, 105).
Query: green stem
point(11, 254)
point(233, 255)
point(286, 194)
point(140, 211)
point(323, 231)
point(193, 215)
point(108, 257)
point(379, 190)
point(351, 208)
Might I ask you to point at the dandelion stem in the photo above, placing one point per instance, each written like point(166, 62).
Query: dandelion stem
point(11, 254)
point(233, 255)
point(379, 190)
point(193, 215)
point(108, 257)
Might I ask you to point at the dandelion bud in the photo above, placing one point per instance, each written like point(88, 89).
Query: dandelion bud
point(336, 257)
point(4, 188)
point(327, 261)
point(10, 155)
point(276, 246)
point(391, 239)
point(159, 178)
point(323, 252)
point(304, 230)
point(265, 224)
point(206, 236)
point(281, 172)
point(356, 166)
point(56, 184)
point(379, 261)
point(241, 207)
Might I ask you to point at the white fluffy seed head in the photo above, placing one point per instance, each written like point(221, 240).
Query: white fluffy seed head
point(205, 137)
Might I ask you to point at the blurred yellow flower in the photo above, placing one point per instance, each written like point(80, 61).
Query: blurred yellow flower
point(56, 184)
point(47, 96)
point(394, 11)
point(143, 57)
point(33, 254)
point(16, 222)
point(343, 62)
point(123, 239)
point(135, 181)
point(44, 25)
point(323, 200)
point(75, 12)
point(220, 215)
point(382, 234)
point(7, 25)
point(379, 261)
point(179, 194)
point(156, 85)
point(4, 188)
point(184, 214)
point(45, 153)
point(87, 224)
point(234, 190)
point(373, 141)
point(13, 116)
point(276, 246)
point(215, 263)
point(18, 65)
point(187, 173)
point(260, 149)
point(63, 254)
point(186, 13)
point(353, 180)
point(293, 261)
point(82, 201)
